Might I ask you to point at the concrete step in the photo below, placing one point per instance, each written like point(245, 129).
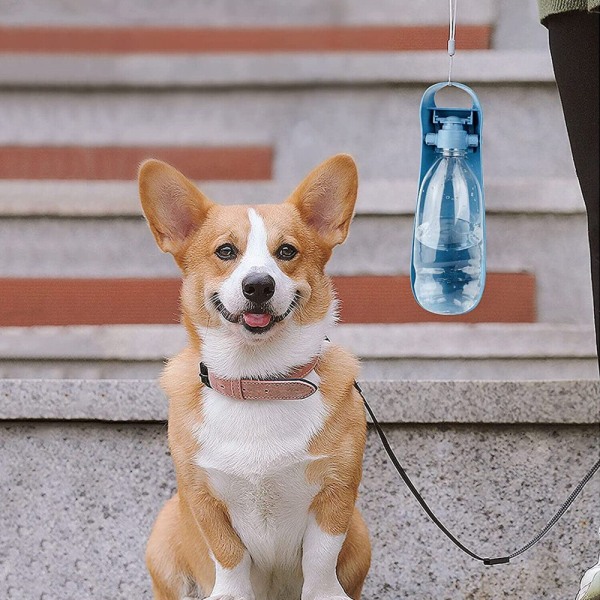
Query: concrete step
point(248, 13)
point(494, 459)
point(430, 402)
point(394, 197)
point(407, 351)
point(124, 71)
point(376, 120)
point(552, 247)
point(93, 229)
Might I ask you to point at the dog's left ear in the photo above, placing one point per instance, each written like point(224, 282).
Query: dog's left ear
point(173, 205)
point(326, 198)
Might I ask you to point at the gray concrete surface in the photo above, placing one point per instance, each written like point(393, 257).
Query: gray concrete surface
point(517, 26)
point(79, 499)
point(410, 340)
point(410, 351)
point(56, 198)
point(446, 369)
point(277, 69)
point(495, 402)
point(233, 12)
point(517, 369)
point(457, 340)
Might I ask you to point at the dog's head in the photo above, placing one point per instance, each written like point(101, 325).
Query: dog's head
point(251, 271)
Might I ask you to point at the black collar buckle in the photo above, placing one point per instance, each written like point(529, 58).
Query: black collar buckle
point(204, 375)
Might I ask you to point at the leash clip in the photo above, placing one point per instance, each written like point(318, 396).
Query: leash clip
point(204, 375)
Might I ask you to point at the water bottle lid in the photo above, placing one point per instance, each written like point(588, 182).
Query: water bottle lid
point(452, 135)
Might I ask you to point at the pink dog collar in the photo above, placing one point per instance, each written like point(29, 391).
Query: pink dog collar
point(293, 387)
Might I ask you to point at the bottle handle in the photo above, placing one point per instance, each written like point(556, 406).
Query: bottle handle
point(428, 100)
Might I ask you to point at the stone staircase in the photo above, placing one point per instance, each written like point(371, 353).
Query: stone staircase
point(85, 465)
point(247, 98)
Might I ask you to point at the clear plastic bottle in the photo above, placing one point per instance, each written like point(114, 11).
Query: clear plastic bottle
point(449, 237)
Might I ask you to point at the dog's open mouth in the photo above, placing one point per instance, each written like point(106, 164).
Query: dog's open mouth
point(255, 319)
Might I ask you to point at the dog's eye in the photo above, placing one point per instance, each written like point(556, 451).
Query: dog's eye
point(226, 252)
point(286, 252)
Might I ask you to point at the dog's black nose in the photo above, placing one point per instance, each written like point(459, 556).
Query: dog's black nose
point(258, 287)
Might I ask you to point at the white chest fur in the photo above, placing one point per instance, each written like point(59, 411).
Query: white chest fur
point(255, 454)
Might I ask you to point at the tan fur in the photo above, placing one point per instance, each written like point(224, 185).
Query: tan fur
point(342, 441)
point(195, 522)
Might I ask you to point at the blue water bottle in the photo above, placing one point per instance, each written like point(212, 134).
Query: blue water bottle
point(448, 253)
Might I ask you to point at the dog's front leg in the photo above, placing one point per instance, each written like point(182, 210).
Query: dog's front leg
point(328, 522)
point(230, 557)
point(233, 583)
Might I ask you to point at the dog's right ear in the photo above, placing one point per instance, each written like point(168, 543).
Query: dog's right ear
point(173, 205)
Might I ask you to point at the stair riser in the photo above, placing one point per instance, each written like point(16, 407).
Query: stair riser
point(553, 248)
point(104, 485)
point(118, 163)
point(211, 40)
point(508, 298)
point(380, 126)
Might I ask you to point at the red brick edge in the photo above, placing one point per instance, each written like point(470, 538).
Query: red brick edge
point(508, 298)
point(121, 162)
point(248, 39)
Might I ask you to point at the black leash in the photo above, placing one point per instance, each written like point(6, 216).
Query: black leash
point(430, 513)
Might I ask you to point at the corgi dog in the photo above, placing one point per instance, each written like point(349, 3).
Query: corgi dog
point(268, 438)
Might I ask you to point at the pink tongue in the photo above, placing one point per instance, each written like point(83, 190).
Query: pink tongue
point(253, 320)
